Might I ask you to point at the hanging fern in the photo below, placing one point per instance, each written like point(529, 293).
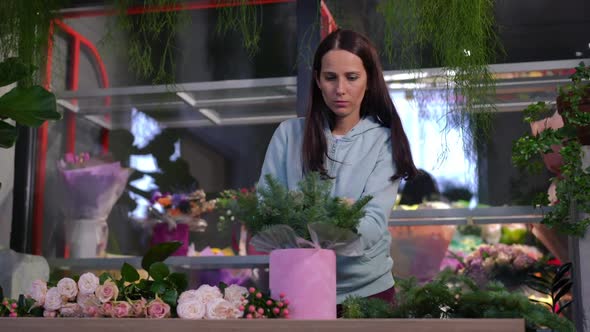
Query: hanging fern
point(458, 36)
point(238, 15)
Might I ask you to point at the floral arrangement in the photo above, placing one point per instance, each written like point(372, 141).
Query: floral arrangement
point(310, 217)
point(130, 296)
point(227, 302)
point(182, 208)
point(91, 186)
point(507, 263)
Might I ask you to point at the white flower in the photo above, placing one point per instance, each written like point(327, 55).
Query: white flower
point(221, 309)
point(191, 310)
point(235, 294)
point(67, 288)
point(71, 310)
point(192, 295)
point(209, 293)
point(85, 300)
point(53, 300)
point(87, 283)
point(37, 291)
point(107, 291)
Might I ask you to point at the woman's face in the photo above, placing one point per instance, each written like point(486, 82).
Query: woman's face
point(343, 82)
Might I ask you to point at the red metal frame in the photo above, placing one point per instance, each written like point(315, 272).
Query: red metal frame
point(328, 25)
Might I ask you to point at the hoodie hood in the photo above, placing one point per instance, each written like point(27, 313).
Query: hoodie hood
point(367, 123)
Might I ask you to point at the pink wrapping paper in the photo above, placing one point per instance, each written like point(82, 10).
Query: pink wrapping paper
point(308, 279)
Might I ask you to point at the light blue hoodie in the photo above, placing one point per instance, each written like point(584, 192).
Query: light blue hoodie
point(363, 167)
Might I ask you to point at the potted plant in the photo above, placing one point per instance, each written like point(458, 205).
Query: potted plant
point(302, 230)
point(572, 188)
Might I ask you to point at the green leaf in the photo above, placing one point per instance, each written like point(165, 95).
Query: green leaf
point(159, 271)
point(179, 280)
point(564, 290)
point(29, 106)
point(8, 135)
point(562, 270)
point(104, 277)
point(159, 287)
point(159, 253)
point(129, 273)
point(12, 70)
point(1, 293)
point(21, 301)
point(170, 297)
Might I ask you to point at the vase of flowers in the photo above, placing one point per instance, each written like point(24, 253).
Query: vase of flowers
point(91, 186)
point(177, 215)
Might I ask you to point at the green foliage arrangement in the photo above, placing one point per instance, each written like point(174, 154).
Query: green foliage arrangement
point(573, 186)
point(451, 296)
point(273, 204)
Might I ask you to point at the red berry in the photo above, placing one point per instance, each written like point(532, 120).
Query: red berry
point(285, 312)
point(280, 304)
point(282, 295)
point(252, 290)
point(269, 302)
point(260, 311)
point(251, 308)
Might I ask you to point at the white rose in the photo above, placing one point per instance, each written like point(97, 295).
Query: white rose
point(37, 291)
point(53, 300)
point(191, 310)
point(192, 295)
point(222, 309)
point(71, 310)
point(85, 300)
point(235, 294)
point(67, 288)
point(87, 283)
point(209, 293)
point(107, 291)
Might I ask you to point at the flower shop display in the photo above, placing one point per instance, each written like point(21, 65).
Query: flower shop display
point(91, 187)
point(177, 214)
point(303, 231)
point(509, 264)
point(162, 294)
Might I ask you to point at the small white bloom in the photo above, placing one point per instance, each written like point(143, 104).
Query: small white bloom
point(221, 309)
point(37, 291)
point(53, 300)
point(192, 295)
point(67, 288)
point(191, 310)
point(209, 293)
point(88, 283)
point(235, 293)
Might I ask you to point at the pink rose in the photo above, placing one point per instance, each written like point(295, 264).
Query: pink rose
point(53, 300)
point(107, 291)
point(37, 291)
point(106, 309)
point(91, 311)
point(157, 309)
point(191, 310)
point(67, 288)
point(222, 309)
point(121, 309)
point(138, 307)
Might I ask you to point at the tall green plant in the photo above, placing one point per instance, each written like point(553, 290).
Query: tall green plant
point(457, 36)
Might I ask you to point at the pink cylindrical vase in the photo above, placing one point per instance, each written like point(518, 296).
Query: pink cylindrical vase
point(308, 279)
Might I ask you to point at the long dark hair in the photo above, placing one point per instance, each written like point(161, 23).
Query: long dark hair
point(376, 102)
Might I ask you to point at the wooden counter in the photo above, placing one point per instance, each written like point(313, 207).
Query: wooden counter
point(242, 325)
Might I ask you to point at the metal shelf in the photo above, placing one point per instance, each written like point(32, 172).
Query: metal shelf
point(190, 263)
point(479, 216)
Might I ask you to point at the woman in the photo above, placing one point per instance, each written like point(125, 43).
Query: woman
point(352, 134)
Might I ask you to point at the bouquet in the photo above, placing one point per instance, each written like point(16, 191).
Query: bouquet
point(91, 186)
point(177, 214)
point(509, 264)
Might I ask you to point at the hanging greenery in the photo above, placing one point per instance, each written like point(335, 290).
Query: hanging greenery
point(238, 15)
point(457, 36)
point(151, 37)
